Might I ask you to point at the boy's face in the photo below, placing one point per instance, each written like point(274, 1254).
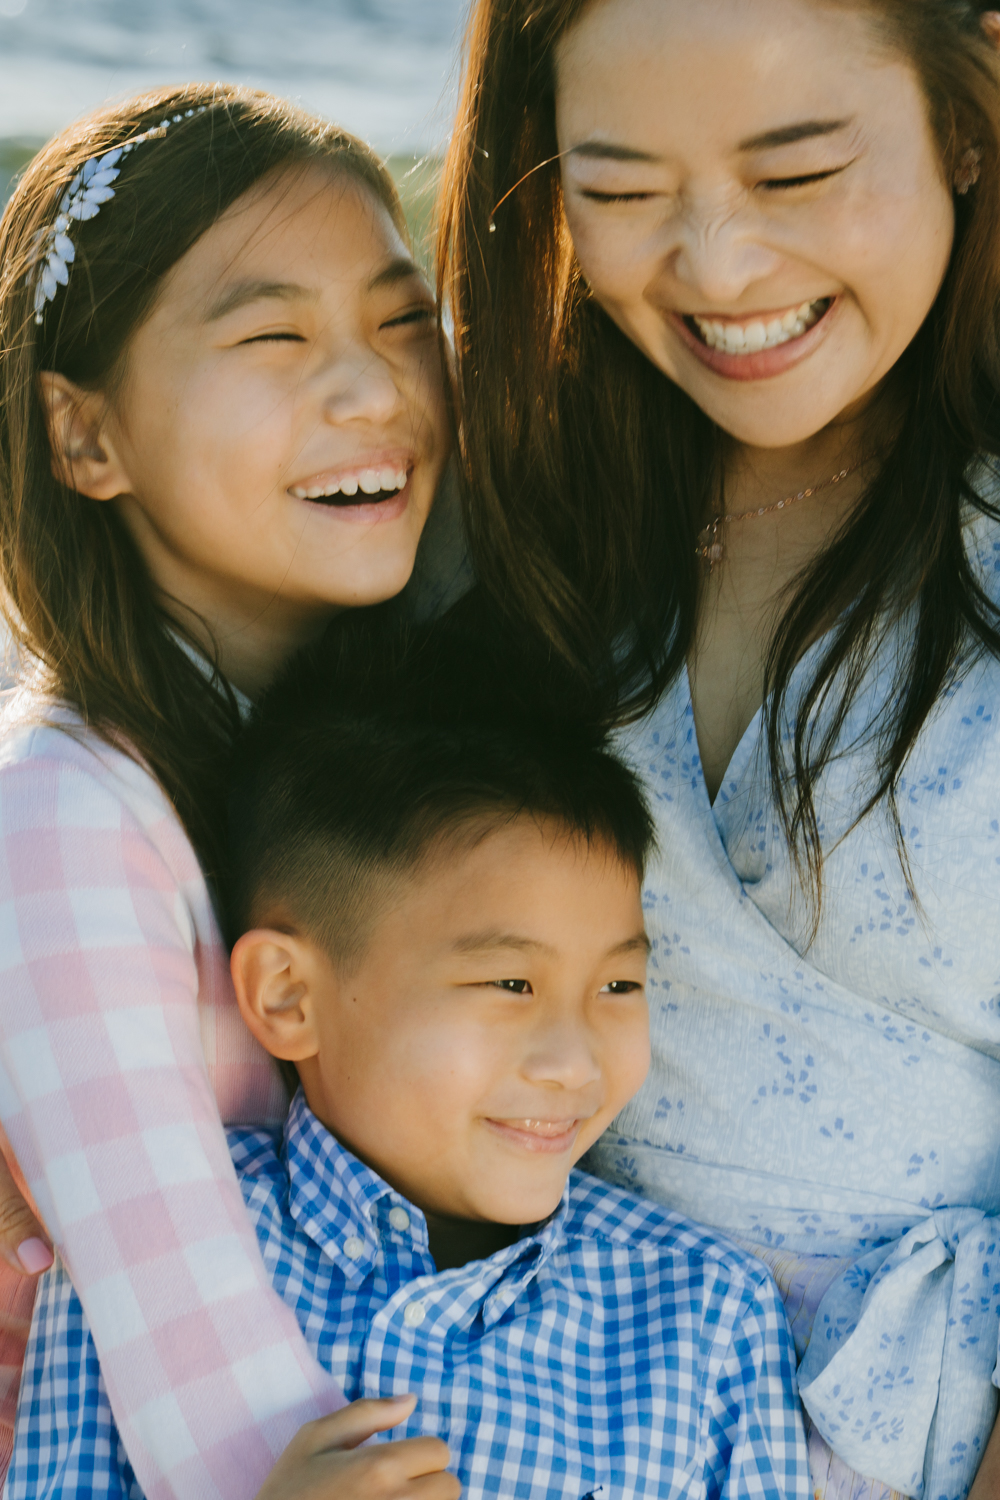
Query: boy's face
point(495, 1026)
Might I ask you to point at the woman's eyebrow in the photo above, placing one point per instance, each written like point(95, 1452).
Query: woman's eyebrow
point(609, 151)
point(787, 135)
point(244, 292)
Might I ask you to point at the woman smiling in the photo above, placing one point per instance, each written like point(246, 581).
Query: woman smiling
point(725, 276)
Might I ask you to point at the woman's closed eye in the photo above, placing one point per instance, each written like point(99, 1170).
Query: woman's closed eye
point(806, 179)
point(597, 197)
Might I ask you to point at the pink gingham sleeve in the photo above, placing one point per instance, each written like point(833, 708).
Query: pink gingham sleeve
point(121, 1052)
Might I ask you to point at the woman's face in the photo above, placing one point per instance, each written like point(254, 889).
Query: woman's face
point(755, 198)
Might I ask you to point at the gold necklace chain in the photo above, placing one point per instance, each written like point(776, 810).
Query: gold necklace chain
point(710, 546)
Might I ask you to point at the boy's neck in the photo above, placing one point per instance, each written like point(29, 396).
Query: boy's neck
point(454, 1242)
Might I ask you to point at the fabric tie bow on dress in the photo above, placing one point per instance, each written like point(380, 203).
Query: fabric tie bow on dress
point(905, 1345)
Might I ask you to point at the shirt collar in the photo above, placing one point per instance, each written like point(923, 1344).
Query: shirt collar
point(347, 1209)
point(205, 667)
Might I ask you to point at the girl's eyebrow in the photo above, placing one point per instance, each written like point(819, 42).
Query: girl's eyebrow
point(244, 292)
point(400, 268)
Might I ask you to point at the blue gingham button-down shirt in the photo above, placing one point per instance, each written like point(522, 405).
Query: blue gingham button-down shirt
point(619, 1351)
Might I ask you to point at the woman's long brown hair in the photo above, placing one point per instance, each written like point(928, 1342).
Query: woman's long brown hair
point(74, 589)
point(589, 474)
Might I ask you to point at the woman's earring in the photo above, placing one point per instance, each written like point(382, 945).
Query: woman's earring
point(990, 23)
point(967, 171)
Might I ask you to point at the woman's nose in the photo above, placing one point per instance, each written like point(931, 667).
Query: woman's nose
point(717, 252)
point(360, 386)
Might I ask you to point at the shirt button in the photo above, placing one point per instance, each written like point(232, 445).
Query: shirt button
point(399, 1218)
point(353, 1247)
point(414, 1314)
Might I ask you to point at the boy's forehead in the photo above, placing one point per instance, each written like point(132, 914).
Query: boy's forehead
point(528, 885)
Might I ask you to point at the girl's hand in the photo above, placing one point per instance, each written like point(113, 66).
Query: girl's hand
point(325, 1461)
point(23, 1244)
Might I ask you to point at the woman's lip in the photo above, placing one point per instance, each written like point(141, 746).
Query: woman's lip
point(766, 363)
point(364, 512)
point(520, 1133)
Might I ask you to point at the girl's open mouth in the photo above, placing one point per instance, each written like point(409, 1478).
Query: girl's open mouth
point(365, 487)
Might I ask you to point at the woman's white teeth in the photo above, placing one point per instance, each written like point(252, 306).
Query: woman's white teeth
point(368, 481)
point(750, 338)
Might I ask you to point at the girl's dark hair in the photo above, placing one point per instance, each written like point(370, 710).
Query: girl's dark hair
point(74, 589)
point(589, 473)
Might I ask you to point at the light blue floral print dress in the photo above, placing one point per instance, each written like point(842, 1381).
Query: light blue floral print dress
point(835, 1103)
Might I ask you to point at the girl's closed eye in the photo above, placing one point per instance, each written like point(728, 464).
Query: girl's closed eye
point(422, 313)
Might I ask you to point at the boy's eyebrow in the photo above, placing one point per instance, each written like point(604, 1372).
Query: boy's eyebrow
point(787, 135)
point(494, 937)
point(639, 943)
point(241, 293)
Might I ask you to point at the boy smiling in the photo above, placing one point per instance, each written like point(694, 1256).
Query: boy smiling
point(439, 906)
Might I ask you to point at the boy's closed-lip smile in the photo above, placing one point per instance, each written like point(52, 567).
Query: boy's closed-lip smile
point(553, 1136)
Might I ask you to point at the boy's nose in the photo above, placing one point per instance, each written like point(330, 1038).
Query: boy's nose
point(561, 1053)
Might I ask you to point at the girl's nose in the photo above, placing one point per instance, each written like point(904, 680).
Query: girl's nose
point(360, 386)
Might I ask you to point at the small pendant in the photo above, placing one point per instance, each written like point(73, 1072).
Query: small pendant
point(709, 545)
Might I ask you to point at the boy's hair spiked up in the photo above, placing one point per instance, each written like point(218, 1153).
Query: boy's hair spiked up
point(389, 740)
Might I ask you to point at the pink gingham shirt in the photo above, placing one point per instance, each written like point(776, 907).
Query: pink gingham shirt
point(121, 1053)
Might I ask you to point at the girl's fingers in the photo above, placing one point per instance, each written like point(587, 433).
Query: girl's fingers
point(23, 1242)
point(354, 1424)
point(440, 1486)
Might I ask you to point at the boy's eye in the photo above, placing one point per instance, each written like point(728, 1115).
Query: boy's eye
point(274, 338)
point(514, 986)
point(621, 987)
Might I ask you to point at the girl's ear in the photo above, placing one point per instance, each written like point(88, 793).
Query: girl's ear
point(83, 457)
point(274, 975)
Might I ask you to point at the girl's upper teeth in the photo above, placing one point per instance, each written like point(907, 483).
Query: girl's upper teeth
point(750, 338)
point(368, 481)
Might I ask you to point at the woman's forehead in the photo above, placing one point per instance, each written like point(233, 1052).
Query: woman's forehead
point(652, 74)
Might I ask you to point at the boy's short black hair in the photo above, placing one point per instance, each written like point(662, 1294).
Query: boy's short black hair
point(388, 738)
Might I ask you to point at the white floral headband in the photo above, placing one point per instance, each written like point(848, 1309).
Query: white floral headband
point(82, 200)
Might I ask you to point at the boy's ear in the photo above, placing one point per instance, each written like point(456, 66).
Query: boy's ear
point(83, 456)
point(274, 974)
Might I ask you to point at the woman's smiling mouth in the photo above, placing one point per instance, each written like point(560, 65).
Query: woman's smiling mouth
point(758, 345)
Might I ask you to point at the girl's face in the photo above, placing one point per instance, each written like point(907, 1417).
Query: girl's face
point(281, 428)
point(755, 198)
